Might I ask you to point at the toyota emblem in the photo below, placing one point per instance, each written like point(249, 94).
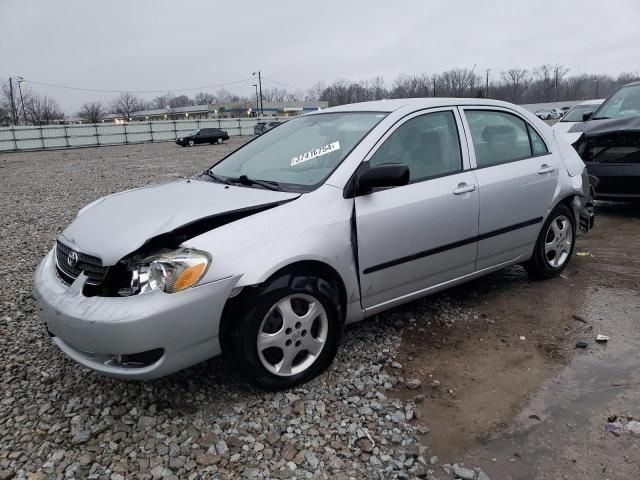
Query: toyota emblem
point(72, 259)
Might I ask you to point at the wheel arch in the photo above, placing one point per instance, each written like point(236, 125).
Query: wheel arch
point(283, 274)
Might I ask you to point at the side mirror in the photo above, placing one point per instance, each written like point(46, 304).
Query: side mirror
point(586, 116)
point(385, 175)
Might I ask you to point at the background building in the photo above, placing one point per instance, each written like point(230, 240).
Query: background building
point(239, 109)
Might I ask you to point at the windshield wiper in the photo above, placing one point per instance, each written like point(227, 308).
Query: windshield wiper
point(244, 180)
point(215, 177)
point(600, 118)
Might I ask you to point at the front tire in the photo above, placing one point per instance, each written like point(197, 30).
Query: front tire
point(288, 333)
point(191, 143)
point(220, 140)
point(555, 244)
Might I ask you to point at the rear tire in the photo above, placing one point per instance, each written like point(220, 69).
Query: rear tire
point(555, 244)
point(288, 332)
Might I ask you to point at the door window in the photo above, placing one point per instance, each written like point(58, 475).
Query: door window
point(429, 145)
point(500, 137)
point(537, 144)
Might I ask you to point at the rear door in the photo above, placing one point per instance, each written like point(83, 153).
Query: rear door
point(517, 177)
point(422, 234)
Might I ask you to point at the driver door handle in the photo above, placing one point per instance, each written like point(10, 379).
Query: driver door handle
point(464, 188)
point(544, 169)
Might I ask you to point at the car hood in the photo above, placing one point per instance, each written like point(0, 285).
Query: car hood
point(619, 132)
point(117, 225)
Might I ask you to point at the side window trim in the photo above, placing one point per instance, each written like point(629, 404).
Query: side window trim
point(462, 141)
point(467, 132)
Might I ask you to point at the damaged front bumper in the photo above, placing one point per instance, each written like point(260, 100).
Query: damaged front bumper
point(139, 337)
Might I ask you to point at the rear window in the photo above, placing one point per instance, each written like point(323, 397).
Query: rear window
point(500, 137)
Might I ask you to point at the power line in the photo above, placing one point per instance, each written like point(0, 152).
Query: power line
point(67, 87)
point(283, 84)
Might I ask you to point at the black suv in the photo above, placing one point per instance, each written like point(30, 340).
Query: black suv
point(203, 135)
point(261, 127)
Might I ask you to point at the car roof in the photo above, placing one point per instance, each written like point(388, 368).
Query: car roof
point(414, 103)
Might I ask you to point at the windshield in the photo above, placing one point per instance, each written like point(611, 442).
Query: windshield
point(624, 103)
point(575, 114)
point(301, 152)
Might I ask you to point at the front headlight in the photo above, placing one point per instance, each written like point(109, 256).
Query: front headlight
point(170, 272)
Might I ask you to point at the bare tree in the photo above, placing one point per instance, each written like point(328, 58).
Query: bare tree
point(516, 80)
point(6, 116)
point(276, 94)
point(377, 89)
point(411, 86)
point(126, 104)
point(542, 88)
point(180, 101)
point(161, 101)
point(225, 96)
point(43, 110)
point(457, 82)
point(204, 98)
point(315, 91)
point(92, 112)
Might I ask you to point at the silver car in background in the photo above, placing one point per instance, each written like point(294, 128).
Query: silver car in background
point(328, 219)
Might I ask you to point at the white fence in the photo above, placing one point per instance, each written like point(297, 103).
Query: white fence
point(14, 139)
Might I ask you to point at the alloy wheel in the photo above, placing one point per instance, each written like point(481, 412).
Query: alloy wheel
point(558, 241)
point(292, 335)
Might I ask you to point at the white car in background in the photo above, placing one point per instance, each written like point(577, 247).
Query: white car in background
point(573, 116)
point(548, 113)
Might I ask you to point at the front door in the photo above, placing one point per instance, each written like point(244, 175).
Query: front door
point(422, 234)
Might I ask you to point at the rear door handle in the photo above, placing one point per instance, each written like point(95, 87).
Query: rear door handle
point(464, 188)
point(544, 169)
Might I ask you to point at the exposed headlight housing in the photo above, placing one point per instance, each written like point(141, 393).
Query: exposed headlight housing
point(170, 272)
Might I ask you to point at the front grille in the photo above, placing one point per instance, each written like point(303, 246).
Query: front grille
point(90, 265)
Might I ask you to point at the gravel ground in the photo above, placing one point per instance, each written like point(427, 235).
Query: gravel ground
point(59, 420)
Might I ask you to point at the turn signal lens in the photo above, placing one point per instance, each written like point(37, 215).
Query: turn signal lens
point(189, 276)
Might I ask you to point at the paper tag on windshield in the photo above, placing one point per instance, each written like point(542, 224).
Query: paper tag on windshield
point(316, 152)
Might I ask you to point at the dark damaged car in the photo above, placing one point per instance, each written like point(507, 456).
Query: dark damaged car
point(610, 145)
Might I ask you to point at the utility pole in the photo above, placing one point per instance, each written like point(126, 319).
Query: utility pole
point(257, 108)
point(486, 90)
point(596, 82)
point(24, 115)
point(260, 86)
point(434, 85)
point(13, 104)
point(555, 95)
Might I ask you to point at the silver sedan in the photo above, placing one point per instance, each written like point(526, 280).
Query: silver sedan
point(328, 219)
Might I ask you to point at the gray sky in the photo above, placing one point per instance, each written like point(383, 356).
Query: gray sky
point(171, 45)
